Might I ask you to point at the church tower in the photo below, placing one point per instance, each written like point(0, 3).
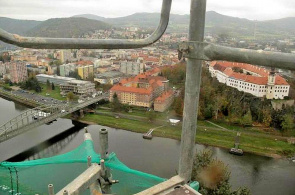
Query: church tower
point(271, 84)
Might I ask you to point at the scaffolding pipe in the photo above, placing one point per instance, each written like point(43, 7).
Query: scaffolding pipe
point(74, 43)
point(263, 58)
point(103, 142)
point(50, 189)
point(192, 92)
point(88, 161)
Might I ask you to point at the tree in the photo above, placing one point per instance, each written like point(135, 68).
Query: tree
point(266, 117)
point(74, 74)
point(288, 122)
point(6, 80)
point(48, 86)
point(52, 86)
point(58, 71)
point(247, 119)
point(213, 176)
point(116, 105)
point(31, 84)
point(151, 115)
point(71, 96)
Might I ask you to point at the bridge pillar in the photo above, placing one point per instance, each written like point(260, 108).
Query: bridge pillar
point(81, 113)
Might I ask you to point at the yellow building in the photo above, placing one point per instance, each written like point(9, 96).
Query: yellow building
point(85, 72)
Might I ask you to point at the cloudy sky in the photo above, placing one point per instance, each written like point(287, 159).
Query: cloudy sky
point(45, 9)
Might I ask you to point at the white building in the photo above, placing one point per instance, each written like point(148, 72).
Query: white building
point(57, 80)
point(65, 69)
point(132, 67)
point(251, 79)
point(81, 88)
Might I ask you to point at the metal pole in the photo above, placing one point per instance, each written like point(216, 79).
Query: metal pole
point(89, 161)
point(104, 144)
point(106, 175)
point(50, 189)
point(192, 91)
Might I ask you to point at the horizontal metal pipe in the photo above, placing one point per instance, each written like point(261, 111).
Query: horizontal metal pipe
point(73, 43)
point(263, 58)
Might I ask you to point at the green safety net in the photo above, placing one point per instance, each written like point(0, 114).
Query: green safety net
point(33, 177)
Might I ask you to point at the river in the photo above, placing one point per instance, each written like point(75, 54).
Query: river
point(159, 156)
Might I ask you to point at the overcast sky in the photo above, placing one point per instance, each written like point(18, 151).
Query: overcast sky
point(45, 9)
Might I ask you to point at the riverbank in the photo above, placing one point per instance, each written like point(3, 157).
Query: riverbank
point(264, 146)
point(19, 99)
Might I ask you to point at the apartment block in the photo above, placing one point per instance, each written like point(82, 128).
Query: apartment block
point(85, 71)
point(80, 88)
point(17, 70)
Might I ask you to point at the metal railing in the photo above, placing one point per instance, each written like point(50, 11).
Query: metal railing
point(196, 50)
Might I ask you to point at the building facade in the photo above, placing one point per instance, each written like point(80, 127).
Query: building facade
point(17, 70)
point(80, 88)
point(65, 56)
point(132, 67)
point(141, 90)
point(65, 69)
point(85, 72)
point(257, 81)
point(163, 102)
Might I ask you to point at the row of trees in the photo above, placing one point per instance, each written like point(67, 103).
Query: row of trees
point(50, 86)
point(31, 84)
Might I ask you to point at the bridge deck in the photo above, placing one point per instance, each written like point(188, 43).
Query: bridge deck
point(24, 121)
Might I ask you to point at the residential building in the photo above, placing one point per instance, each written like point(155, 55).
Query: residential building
point(2, 69)
point(163, 102)
point(251, 79)
point(85, 72)
point(17, 70)
point(141, 90)
point(80, 88)
point(64, 56)
point(65, 69)
point(57, 80)
point(132, 67)
point(111, 77)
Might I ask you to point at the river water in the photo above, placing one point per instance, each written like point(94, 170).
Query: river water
point(159, 156)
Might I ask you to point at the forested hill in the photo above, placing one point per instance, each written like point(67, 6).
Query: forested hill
point(67, 27)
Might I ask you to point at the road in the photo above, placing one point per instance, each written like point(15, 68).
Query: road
point(36, 97)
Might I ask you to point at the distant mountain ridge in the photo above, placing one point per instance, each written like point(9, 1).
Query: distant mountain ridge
point(215, 23)
point(66, 27)
point(17, 26)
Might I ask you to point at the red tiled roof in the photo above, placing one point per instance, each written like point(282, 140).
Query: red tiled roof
point(219, 67)
point(131, 89)
point(164, 96)
point(226, 68)
point(86, 62)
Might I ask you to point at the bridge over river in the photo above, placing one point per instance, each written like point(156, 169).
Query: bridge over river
point(41, 115)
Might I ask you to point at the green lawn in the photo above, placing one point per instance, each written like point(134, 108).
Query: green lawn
point(259, 145)
point(52, 93)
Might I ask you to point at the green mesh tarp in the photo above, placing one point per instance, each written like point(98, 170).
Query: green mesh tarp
point(33, 177)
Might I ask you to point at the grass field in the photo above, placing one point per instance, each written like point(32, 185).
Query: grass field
point(207, 136)
point(52, 93)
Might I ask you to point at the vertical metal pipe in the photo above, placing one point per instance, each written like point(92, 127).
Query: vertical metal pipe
point(65, 192)
point(89, 161)
point(104, 143)
point(50, 189)
point(192, 91)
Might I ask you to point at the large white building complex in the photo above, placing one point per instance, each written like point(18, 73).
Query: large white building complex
point(252, 79)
